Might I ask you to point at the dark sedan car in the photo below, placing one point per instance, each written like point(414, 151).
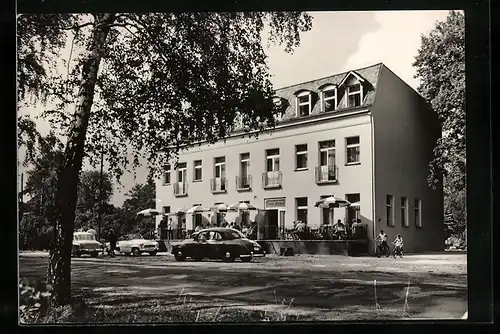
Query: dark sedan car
point(218, 243)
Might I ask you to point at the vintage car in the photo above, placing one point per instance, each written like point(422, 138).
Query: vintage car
point(217, 243)
point(136, 244)
point(85, 243)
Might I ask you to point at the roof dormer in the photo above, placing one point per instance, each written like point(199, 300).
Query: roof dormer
point(281, 105)
point(328, 97)
point(304, 103)
point(353, 84)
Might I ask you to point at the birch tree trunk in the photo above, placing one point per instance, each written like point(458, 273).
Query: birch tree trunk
point(59, 268)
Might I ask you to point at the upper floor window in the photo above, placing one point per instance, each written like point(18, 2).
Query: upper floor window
point(352, 150)
point(198, 167)
point(327, 153)
point(389, 210)
point(304, 104)
point(220, 167)
point(166, 176)
point(278, 102)
point(273, 160)
point(329, 98)
point(354, 93)
point(301, 156)
point(417, 207)
point(182, 172)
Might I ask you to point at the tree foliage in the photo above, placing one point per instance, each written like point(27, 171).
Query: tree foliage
point(168, 81)
point(440, 66)
point(152, 84)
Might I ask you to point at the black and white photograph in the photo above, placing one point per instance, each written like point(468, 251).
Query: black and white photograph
point(235, 167)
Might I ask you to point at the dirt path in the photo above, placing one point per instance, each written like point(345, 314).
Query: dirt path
point(316, 287)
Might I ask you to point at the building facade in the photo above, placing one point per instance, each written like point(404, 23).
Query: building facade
point(364, 135)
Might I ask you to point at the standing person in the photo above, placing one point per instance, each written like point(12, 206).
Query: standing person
point(183, 229)
point(112, 238)
point(170, 232)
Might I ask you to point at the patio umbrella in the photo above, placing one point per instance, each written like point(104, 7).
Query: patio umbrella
point(219, 207)
point(331, 203)
point(354, 205)
point(149, 212)
point(197, 208)
point(241, 206)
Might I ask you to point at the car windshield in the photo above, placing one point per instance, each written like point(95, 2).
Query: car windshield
point(133, 236)
point(88, 236)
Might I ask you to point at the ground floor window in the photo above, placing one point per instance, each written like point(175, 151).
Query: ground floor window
point(301, 205)
point(352, 212)
point(417, 212)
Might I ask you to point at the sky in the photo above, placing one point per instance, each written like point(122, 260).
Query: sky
point(337, 42)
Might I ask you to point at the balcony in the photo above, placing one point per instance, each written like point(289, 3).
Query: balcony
point(244, 183)
point(271, 180)
point(218, 185)
point(326, 174)
point(180, 189)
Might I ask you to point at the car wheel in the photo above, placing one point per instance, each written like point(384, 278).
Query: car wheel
point(136, 251)
point(228, 257)
point(246, 259)
point(152, 253)
point(94, 254)
point(179, 256)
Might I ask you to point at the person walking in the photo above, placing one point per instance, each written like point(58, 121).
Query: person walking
point(113, 239)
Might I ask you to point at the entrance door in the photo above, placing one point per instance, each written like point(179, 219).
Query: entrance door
point(282, 224)
point(272, 225)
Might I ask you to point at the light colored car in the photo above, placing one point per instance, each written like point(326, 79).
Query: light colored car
point(85, 243)
point(136, 244)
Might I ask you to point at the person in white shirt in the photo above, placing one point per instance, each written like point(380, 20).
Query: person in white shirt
point(382, 237)
point(398, 245)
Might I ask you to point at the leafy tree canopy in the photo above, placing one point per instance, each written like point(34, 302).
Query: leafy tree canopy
point(166, 81)
point(440, 66)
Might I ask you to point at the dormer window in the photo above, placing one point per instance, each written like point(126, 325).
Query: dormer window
point(280, 106)
point(354, 95)
point(304, 104)
point(353, 84)
point(329, 98)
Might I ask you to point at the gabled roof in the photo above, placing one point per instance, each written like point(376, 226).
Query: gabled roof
point(368, 74)
point(353, 73)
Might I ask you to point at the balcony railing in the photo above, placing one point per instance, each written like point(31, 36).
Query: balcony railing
point(326, 174)
point(218, 185)
point(244, 182)
point(180, 189)
point(271, 180)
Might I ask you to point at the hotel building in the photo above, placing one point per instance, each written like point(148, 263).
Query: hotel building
point(363, 135)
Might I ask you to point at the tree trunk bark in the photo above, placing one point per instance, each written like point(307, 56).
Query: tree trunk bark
point(59, 269)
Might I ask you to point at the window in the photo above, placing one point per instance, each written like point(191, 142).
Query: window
point(417, 213)
point(404, 212)
point(278, 102)
point(327, 153)
point(166, 176)
point(166, 210)
point(352, 150)
point(304, 104)
point(197, 170)
point(273, 160)
point(353, 210)
point(301, 204)
point(182, 173)
point(354, 95)
point(244, 180)
point(329, 98)
point(301, 156)
point(389, 212)
point(220, 167)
